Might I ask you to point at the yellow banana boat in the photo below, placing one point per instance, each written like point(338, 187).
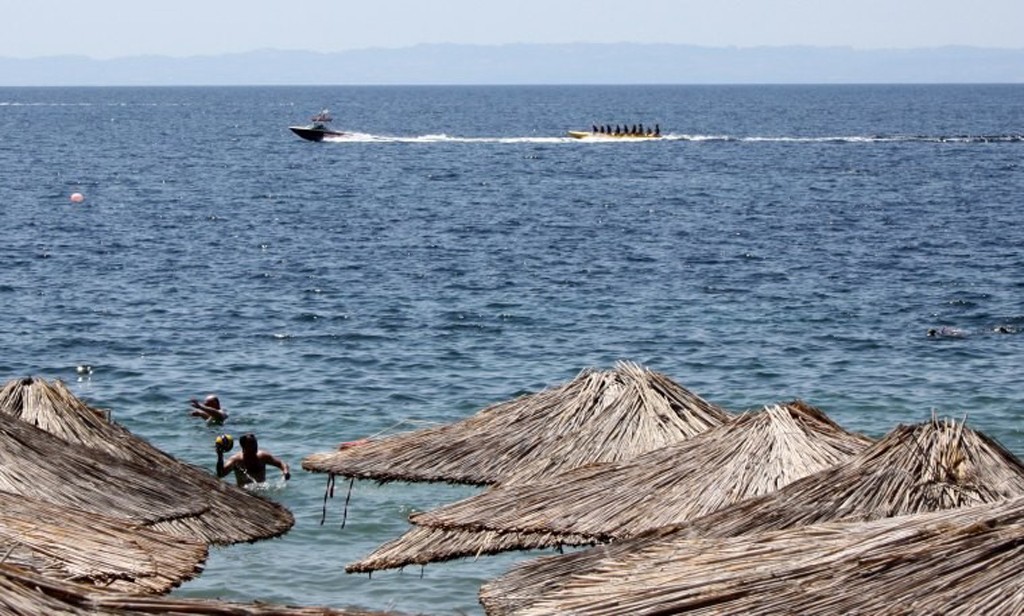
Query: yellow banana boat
point(580, 134)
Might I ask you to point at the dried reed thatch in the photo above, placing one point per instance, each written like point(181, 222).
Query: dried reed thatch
point(23, 592)
point(597, 417)
point(37, 464)
point(936, 465)
point(961, 561)
point(218, 512)
point(85, 547)
point(600, 416)
point(422, 545)
point(752, 455)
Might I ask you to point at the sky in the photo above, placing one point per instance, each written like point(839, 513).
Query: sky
point(103, 29)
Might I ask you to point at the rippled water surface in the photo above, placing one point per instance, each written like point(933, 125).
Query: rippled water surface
point(457, 250)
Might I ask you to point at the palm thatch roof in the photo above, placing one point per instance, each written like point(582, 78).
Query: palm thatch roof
point(933, 466)
point(219, 512)
point(961, 561)
point(25, 592)
point(755, 454)
point(73, 545)
point(600, 416)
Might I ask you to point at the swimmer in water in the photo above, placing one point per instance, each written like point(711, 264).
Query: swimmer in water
point(209, 409)
point(249, 464)
point(946, 332)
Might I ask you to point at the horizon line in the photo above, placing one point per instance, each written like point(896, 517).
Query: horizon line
point(852, 48)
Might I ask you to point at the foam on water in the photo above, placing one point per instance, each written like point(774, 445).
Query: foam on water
point(356, 137)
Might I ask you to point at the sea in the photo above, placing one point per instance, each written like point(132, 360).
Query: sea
point(859, 247)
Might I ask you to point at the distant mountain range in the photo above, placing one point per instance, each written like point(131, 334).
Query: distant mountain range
point(578, 63)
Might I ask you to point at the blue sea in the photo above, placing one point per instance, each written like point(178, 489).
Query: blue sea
point(457, 250)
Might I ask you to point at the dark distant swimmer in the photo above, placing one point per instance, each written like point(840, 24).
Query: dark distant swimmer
point(956, 332)
point(946, 332)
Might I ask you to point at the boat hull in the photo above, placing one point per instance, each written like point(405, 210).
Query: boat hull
point(314, 134)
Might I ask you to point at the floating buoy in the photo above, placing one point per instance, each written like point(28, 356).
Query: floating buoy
point(351, 444)
point(77, 197)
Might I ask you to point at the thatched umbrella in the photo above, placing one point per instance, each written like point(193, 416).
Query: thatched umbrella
point(90, 548)
point(600, 416)
point(228, 514)
point(597, 417)
point(962, 561)
point(422, 545)
point(37, 464)
point(752, 455)
point(936, 465)
point(27, 593)
point(24, 593)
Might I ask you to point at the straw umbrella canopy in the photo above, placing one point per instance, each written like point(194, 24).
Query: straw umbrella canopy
point(36, 464)
point(932, 466)
point(90, 548)
point(422, 545)
point(228, 514)
point(597, 417)
point(600, 416)
point(962, 561)
point(752, 455)
point(25, 592)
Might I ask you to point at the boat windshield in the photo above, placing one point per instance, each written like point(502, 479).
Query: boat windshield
point(322, 118)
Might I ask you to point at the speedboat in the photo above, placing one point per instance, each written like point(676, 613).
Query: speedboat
point(318, 128)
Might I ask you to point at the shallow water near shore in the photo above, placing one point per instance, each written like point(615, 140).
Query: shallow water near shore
point(783, 242)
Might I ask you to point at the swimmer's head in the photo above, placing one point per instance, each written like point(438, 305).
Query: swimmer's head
point(248, 442)
point(212, 401)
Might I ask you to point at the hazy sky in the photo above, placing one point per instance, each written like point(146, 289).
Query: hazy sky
point(116, 28)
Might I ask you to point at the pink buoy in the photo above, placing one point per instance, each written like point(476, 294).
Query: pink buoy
point(77, 197)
